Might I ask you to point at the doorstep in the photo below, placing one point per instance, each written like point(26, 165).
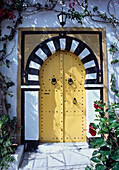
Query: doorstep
point(58, 156)
point(17, 158)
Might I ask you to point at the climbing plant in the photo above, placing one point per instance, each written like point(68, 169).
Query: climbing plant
point(98, 16)
point(14, 10)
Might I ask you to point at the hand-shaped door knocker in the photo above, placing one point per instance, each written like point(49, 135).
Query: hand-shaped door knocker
point(74, 101)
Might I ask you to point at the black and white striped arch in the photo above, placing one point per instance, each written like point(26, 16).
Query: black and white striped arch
point(54, 44)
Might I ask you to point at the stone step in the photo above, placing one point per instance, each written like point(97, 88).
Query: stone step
point(56, 147)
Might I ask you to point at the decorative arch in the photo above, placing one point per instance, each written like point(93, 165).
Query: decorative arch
point(48, 47)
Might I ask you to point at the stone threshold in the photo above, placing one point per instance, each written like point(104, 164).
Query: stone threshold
point(17, 158)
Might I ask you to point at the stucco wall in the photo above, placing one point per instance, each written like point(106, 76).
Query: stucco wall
point(49, 19)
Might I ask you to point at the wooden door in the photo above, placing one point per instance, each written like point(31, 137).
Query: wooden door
point(62, 99)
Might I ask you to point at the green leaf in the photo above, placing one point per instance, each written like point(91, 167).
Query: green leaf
point(98, 142)
point(100, 167)
point(105, 130)
point(113, 125)
point(115, 166)
point(115, 155)
point(95, 152)
point(117, 95)
point(98, 110)
point(95, 8)
point(88, 168)
point(95, 159)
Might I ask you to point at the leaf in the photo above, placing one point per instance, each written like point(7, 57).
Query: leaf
point(95, 152)
point(95, 8)
point(113, 125)
point(116, 166)
point(88, 168)
point(95, 159)
point(98, 110)
point(115, 155)
point(100, 167)
point(98, 142)
point(117, 95)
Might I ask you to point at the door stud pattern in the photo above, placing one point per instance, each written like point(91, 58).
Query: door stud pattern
point(62, 106)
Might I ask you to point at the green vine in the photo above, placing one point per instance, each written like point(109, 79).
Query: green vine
point(12, 10)
point(113, 84)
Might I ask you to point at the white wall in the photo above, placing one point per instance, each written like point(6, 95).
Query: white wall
point(31, 115)
point(49, 19)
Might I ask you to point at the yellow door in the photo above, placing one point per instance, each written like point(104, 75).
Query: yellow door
point(62, 99)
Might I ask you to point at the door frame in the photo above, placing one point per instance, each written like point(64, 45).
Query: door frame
point(61, 35)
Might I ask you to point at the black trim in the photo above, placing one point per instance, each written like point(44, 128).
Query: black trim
point(61, 32)
point(31, 145)
point(22, 116)
point(44, 47)
point(30, 89)
point(22, 57)
point(79, 49)
point(90, 81)
point(33, 82)
point(33, 71)
point(46, 50)
point(91, 70)
point(68, 43)
point(88, 58)
point(56, 44)
point(101, 56)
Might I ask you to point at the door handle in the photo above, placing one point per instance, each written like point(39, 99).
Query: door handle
point(74, 101)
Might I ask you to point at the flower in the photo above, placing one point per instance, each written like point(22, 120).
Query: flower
point(97, 105)
point(70, 6)
point(73, 3)
point(18, 126)
point(92, 130)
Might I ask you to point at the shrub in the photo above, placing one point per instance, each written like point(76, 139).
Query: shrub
point(106, 155)
point(7, 138)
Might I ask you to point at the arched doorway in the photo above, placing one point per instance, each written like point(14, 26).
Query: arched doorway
point(62, 99)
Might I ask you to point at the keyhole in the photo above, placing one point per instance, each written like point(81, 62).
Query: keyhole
point(70, 81)
point(54, 81)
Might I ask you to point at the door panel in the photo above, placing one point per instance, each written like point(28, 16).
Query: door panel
point(74, 99)
point(50, 99)
point(62, 106)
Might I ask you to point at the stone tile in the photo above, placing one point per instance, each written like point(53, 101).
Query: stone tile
point(56, 160)
point(40, 168)
point(73, 158)
point(57, 168)
point(27, 164)
point(81, 167)
point(40, 163)
point(40, 156)
point(24, 169)
point(29, 155)
point(87, 152)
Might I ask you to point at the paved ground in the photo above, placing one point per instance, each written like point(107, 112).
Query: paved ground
point(60, 156)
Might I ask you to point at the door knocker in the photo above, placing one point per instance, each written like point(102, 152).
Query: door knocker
point(70, 81)
point(74, 101)
point(54, 81)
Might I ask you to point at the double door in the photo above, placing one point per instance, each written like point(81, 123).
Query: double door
point(62, 99)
